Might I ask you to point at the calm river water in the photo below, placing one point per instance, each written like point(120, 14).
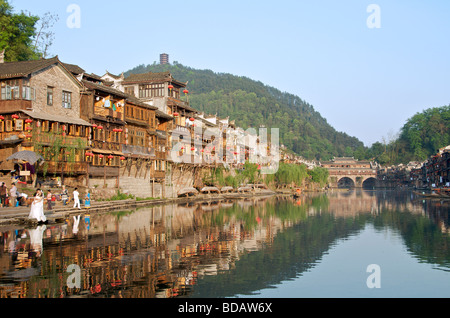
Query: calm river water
point(342, 244)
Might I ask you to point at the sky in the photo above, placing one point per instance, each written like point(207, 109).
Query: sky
point(365, 66)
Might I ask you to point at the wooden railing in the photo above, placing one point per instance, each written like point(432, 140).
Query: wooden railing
point(113, 146)
point(48, 139)
point(102, 111)
point(103, 171)
point(157, 174)
point(65, 167)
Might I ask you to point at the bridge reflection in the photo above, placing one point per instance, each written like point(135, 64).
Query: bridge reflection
point(206, 249)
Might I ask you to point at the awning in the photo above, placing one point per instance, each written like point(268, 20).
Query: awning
point(107, 152)
point(56, 118)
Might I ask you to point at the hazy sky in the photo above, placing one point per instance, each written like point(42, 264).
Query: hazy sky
point(365, 71)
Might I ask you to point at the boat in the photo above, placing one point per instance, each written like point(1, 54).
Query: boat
point(432, 195)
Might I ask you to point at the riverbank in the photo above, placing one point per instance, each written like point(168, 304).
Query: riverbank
point(19, 215)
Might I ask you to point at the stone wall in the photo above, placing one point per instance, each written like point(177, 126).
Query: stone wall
point(55, 77)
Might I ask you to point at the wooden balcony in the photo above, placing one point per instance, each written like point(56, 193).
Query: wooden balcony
point(10, 106)
point(108, 112)
point(160, 155)
point(157, 174)
point(112, 146)
point(54, 167)
point(48, 139)
point(103, 171)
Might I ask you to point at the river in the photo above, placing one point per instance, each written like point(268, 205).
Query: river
point(353, 243)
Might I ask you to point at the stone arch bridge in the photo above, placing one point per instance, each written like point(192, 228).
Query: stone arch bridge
point(350, 172)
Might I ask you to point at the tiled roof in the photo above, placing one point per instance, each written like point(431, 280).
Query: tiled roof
point(103, 88)
point(151, 77)
point(74, 69)
point(160, 114)
point(24, 68)
point(55, 118)
point(110, 90)
point(138, 102)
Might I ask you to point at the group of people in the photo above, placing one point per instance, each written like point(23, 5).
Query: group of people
point(12, 198)
point(37, 207)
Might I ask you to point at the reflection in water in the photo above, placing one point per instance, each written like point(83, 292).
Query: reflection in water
point(211, 249)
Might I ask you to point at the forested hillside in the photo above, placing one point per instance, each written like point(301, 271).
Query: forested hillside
point(421, 137)
point(252, 104)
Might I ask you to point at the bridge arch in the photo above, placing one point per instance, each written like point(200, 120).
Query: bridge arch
point(346, 182)
point(369, 183)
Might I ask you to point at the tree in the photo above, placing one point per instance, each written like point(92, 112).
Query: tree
point(44, 35)
point(16, 34)
point(24, 36)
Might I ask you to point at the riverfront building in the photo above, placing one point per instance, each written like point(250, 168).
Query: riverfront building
point(137, 133)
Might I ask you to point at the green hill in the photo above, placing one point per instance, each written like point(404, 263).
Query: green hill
point(252, 104)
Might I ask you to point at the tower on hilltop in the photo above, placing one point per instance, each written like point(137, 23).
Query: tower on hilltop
point(164, 58)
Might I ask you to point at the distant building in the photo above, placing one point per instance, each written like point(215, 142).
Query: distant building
point(164, 58)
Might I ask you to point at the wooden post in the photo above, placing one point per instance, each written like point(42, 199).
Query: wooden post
point(153, 187)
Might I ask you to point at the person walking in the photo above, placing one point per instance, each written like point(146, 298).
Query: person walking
point(13, 194)
point(76, 198)
point(3, 192)
point(49, 200)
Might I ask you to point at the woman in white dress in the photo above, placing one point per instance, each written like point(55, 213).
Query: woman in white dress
point(37, 207)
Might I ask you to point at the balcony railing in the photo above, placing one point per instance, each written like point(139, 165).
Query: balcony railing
point(113, 146)
point(105, 112)
point(65, 167)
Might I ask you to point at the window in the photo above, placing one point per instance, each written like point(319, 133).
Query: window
point(66, 99)
point(50, 96)
point(9, 125)
point(129, 90)
point(10, 90)
point(151, 90)
point(28, 93)
point(19, 124)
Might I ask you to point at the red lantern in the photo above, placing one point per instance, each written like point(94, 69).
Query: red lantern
point(170, 86)
point(110, 157)
point(100, 156)
point(94, 126)
point(29, 136)
point(193, 149)
point(28, 121)
point(192, 119)
point(176, 114)
point(15, 116)
point(100, 127)
point(122, 158)
point(186, 91)
point(28, 128)
point(1, 117)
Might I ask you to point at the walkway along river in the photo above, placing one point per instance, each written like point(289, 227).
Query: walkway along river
point(318, 245)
